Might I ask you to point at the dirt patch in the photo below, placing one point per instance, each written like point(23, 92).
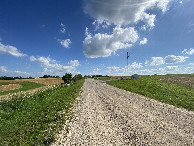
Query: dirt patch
point(9, 87)
point(182, 80)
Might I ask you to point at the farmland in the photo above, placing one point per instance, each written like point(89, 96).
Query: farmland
point(40, 115)
point(176, 90)
point(14, 86)
point(33, 119)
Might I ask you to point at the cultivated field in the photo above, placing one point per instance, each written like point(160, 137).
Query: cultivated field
point(13, 86)
point(181, 80)
point(45, 81)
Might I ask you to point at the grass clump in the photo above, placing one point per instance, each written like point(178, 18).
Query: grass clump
point(34, 120)
point(25, 86)
point(162, 91)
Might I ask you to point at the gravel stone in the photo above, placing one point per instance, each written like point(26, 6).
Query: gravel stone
point(106, 115)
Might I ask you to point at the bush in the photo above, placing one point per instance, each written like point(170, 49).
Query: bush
point(67, 78)
point(78, 76)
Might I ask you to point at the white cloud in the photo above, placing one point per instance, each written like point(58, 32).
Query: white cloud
point(3, 69)
point(182, 69)
point(62, 30)
point(102, 45)
point(155, 61)
point(188, 51)
point(119, 14)
point(74, 63)
point(170, 59)
point(5, 72)
point(122, 12)
point(11, 50)
point(95, 71)
point(51, 67)
point(127, 70)
point(65, 43)
point(162, 4)
point(143, 41)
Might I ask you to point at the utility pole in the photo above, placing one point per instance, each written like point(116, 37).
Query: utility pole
point(127, 58)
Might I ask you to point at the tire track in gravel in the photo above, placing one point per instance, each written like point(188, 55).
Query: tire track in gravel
point(106, 115)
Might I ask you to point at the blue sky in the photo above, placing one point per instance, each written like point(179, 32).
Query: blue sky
point(39, 37)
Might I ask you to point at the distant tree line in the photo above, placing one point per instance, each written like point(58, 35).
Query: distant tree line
point(13, 78)
point(49, 76)
point(93, 76)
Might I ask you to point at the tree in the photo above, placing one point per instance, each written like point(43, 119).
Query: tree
point(78, 76)
point(67, 78)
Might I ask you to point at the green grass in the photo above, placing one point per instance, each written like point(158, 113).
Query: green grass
point(153, 88)
point(34, 120)
point(25, 86)
point(102, 78)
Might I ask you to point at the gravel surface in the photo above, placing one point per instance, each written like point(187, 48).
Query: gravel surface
point(106, 115)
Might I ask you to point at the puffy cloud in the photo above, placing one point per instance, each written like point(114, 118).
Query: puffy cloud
point(3, 69)
point(188, 51)
point(95, 71)
point(155, 61)
point(148, 19)
point(143, 41)
point(162, 4)
point(127, 70)
point(102, 45)
point(11, 50)
point(170, 59)
point(5, 72)
point(65, 43)
point(182, 69)
point(123, 12)
point(74, 63)
point(185, 69)
point(50, 66)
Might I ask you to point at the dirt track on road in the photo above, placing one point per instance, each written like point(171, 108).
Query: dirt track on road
point(106, 115)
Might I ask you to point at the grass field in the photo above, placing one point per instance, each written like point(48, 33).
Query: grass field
point(111, 78)
point(34, 119)
point(25, 86)
point(161, 89)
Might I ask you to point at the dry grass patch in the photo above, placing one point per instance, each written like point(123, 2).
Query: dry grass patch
point(9, 87)
point(45, 81)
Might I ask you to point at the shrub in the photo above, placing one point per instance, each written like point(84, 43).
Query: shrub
point(67, 78)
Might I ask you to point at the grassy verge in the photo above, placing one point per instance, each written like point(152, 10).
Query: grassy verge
point(162, 91)
point(102, 78)
point(33, 120)
point(25, 86)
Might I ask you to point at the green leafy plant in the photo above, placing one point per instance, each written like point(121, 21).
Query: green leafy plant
point(67, 78)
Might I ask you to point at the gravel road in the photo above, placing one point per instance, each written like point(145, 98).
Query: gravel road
point(105, 115)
